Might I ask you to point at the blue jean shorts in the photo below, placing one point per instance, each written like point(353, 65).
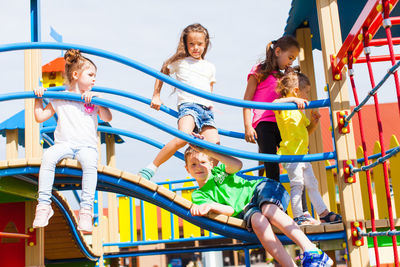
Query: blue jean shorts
point(267, 191)
point(202, 115)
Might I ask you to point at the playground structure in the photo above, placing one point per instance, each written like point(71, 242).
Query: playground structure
point(355, 189)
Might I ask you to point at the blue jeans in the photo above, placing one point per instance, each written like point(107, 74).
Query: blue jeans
point(268, 191)
point(202, 115)
point(87, 157)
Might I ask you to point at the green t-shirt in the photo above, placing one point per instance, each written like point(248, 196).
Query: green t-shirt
point(227, 189)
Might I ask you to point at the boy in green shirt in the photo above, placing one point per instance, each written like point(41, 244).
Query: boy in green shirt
point(261, 203)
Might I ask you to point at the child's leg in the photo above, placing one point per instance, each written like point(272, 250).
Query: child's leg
point(87, 156)
point(185, 124)
point(286, 224)
point(268, 139)
point(263, 230)
point(46, 174)
point(211, 135)
point(295, 174)
point(311, 184)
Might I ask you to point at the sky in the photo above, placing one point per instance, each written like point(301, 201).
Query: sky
point(148, 32)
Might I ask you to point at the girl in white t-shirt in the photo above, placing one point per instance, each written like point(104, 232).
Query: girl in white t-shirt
point(195, 113)
point(75, 137)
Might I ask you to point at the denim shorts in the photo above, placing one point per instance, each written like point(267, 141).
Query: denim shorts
point(267, 191)
point(202, 115)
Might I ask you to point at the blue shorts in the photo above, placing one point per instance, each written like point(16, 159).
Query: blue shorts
point(202, 115)
point(267, 191)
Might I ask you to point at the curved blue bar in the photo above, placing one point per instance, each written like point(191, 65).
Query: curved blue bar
point(175, 132)
point(148, 101)
point(165, 78)
point(112, 130)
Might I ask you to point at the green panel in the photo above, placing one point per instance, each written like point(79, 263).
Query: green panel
point(76, 264)
point(18, 187)
point(8, 198)
point(383, 241)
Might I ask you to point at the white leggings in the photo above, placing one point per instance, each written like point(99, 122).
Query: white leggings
point(301, 174)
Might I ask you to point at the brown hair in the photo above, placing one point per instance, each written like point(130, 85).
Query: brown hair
point(270, 65)
point(292, 79)
point(182, 50)
point(74, 61)
point(189, 152)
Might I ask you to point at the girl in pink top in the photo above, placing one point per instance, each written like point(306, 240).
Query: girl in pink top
point(261, 87)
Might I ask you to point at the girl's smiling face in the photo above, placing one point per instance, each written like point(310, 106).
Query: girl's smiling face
point(286, 58)
point(196, 44)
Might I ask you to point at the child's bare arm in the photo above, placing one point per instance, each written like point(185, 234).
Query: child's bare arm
point(104, 113)
point(156, 99)
point(42, 114)
point(315, 116)
point(204, 209)
point(249, 131)
point(300, 102)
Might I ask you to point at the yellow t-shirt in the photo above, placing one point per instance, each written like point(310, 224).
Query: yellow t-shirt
point(292, 125)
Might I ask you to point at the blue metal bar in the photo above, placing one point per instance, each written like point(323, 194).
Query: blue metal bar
point(371, 93)
point(78, 199)
point(143, 222)
point(96, 209)
point(35, 21)
point(247, 257)
point(165, 78)
point(371, 234)
point(161, 241)
point(175, 132)
point(133, 229)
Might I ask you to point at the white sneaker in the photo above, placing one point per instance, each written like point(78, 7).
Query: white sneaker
point(42, 215)
point(85, 220)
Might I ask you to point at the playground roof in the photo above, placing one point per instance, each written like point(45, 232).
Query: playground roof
point(17, 121)
point(57, 64)
point(303, 13)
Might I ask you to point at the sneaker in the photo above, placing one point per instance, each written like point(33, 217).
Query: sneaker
point(85, 220)
point(146, 173)
point(42, 215)
point(316, 258)
point(311, 218)
point(302, 220)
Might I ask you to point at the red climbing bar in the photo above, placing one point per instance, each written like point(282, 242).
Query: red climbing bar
point(377, 58)
point(13, 235)
point(383, 41)
point(395, 20)
point(364, 146)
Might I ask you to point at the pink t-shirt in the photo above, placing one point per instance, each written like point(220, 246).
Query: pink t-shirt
point(265, 92)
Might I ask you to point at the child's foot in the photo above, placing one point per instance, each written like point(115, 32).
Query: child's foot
point(146, 173)
point(311, 218)
point(331, 217)
point(85, 220)
point(302, 220)
point(316, 258)
point(42, 215)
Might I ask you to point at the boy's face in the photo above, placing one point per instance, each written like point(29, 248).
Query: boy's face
point(199, 166)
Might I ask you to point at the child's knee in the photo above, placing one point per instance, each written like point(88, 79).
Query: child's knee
point(179, 143)
point(257, 220)
point(268, 209)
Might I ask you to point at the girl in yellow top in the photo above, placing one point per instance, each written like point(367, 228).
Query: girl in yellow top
point(295, 127)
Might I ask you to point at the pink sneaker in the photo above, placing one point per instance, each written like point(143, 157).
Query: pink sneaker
point(42, 215)
point(85, 220)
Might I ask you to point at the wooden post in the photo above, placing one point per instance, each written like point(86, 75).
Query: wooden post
point(34, 255)
point(32, 77)
point(350, 194)
point(12, 144)
point(112, 198)
point(306, 62)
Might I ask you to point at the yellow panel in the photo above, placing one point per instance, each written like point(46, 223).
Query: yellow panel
point(380, 186)
point(395, 174)
point(124, 211)
point(189, 230)
point(289, 209)
point(150, 220)
point(364, 186)
point(331, 188)
point(166, 222)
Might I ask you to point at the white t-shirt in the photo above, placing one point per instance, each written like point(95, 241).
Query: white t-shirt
point(197, 73)
point(75, 125)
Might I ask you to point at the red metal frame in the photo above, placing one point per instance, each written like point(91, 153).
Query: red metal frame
point(355, 238)
point(377, 58)
point(352, 42)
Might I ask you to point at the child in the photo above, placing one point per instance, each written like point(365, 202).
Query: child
point(295, 128)
point(261, 86)
point(195, 113)
point(261, 203)
point(75, 136)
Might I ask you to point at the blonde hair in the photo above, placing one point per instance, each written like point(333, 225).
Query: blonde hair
point(75, 61)
point(182, 50)
point(189, 152)
point(292, 79)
